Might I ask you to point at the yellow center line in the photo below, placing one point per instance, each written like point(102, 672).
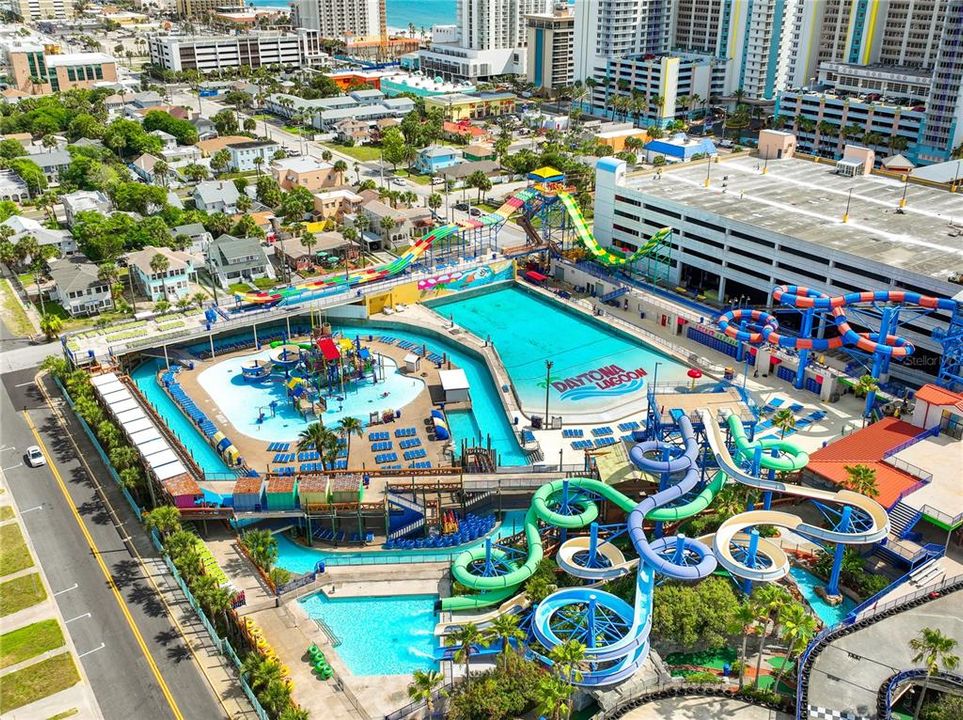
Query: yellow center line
point(103, 568)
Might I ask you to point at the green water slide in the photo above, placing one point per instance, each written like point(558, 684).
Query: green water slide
point(607, 256)
point(495, 589)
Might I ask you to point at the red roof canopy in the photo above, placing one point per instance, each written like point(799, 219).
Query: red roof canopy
point(329, 351)
point(535, 276)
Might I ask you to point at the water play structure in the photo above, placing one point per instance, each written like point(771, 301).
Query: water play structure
point(882, 309)
point(547, 192)
point(616, 633)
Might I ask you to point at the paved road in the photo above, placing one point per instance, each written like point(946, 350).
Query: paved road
point(130, 679)
point(702, 708)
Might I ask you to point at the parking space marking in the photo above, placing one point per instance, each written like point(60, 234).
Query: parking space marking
point(99, 647)
point(61, 592)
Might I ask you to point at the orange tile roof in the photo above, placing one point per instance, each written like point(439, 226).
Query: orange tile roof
point(248, 486)
point(867, 447)
point(281, 485)
point(181, 485)
point(936, 395)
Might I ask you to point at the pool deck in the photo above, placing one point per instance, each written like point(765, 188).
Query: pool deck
point(413, 414)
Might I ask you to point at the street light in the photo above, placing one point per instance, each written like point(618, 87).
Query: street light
point(849, 200)
point(548, 376)
point(902, 200)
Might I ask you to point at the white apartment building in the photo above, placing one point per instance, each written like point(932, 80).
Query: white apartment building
point(606, 29)
point(786, 227)
point(490, 41)
point(255, 49)
point(340, 18)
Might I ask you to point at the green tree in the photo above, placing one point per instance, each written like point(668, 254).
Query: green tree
point(934, 651)
point(552, 697)
point(505, 629)
point(260, 672)
point(769, 601)
point(865, 385)
point(159, 265)
point(30, 173)
point(51, 325)
point(466, 638)
point(785, 420)
point(350, 426)
point(226, 122)
point(165, 519)
point(423, 686)
point(220, 160)
point(393, 147)
point(947, 707)
point(567, 659)
point(862, 479)
point(744, 624)
point(797, 629)
point(262, 546)
point(124, 457)
point(268, 191)
point(195, 172)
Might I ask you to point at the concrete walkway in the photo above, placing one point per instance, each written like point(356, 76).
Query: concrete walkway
point(702, 708)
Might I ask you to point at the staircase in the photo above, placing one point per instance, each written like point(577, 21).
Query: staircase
point(614, 295)
point(902, 520)
point(413, 518)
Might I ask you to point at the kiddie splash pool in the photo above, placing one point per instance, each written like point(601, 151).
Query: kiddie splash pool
point(594, 366)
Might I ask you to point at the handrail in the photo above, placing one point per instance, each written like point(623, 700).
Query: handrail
point(931, 432)
point(915, 470)
point(945, 518)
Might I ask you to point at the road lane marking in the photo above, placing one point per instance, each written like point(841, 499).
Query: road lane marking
point(38, 507)
point(79, 617)
point(155, 671)
point(99, 647)
point(72, 587)
point(24, 384)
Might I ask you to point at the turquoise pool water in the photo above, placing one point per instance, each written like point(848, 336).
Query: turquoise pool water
point(242, 401)
point(463, 427)
point(486, 405)
point(594, 366)
point(829, 614)
point(380, 635)
point(191, 438)
point(299, 559)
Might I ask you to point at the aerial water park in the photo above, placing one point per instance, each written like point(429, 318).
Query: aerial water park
point(465, 424)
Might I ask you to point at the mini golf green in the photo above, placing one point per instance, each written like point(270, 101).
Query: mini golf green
point(715, 659)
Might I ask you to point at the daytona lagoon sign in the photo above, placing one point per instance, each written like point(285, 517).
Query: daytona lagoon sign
point(606, 381)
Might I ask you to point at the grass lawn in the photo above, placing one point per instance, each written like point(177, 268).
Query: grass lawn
point(20, 593)
point(13, 313)
point(420, 179)
point(239, 288)
point(714, 659)
point(26, 278)
point(29, 641)
point(77, 323)
point(14, 555)
point(37, 681)
point(265, 283)
point(6, 512)
point(361, 153)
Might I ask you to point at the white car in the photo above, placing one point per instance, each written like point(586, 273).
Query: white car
point(35, 457)
point(398, 181)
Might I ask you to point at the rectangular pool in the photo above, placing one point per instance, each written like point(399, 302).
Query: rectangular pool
point(380, 635)
point(594, 366)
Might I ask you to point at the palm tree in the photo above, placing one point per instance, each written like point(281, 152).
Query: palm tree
point(865, 385)
point(260, 671)
point(466, 638)
point(387, 225)
point(768, 600)
point(785, 420)
point(551, 696)
point(161, 171)
point(244, 202)
point(258, 162)
point(159, 264)
point(505, 628)
point(262, 547)
point(422, 688)
point(165, 519)
point(798, 628)
point(744, 623)
point(275, 697)
point(567, 659)
point(341, 168)
point(862, 479)
point(350, 426)
point(935, 651)
point(313, 437)
point(51, 325)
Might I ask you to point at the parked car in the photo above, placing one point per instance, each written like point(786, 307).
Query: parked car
point(475, 211)
point(463, 206)
point(35, 457)
point(398, 181)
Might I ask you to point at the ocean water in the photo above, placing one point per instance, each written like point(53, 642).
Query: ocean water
point(421, 13)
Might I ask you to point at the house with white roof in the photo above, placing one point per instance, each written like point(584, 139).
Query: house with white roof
point(83, 200)
point(171, 284)
point(78, 287)
point(23, 226)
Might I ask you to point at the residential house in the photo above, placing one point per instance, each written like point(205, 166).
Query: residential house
point(148, 99)
point(24, 138)
point(60, 239)
point(171, 284)
point(458, 173)
point(476, 152)
point(244, 156)
point(335, 204)
point(305, 172)
point(293, 252)
point(143, 167)
point(52, 163)
point(88, 143)
point(212, 145)
point(235, 260)
point(168, 140)
point(381, 125)
point(435, 158)
point(77, 287)
point(12, 187)
point(206, 130)
point(83, 200)
point(198, 238)
point(352, 132)
point(463, 130)
point(213, 196)
point(181, 155)
point(408, 222)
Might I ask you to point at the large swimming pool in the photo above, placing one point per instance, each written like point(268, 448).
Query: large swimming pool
point(594, 367)
point(242, 402)
point(300, 559)
point(379, 635)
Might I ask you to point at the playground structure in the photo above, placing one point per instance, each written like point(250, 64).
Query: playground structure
point(548, 199)
point(692, 463)
point(882, 309)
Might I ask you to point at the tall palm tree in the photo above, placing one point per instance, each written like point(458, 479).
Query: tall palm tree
point(505, 629)
point(745, 624)
point(387, 225)
point(313, 437)
point(159, 265)
point(262, 546)
point(260, 672)
point(785, 420)
point(466, 638)
point(165, 519)
point(422, 688)
point(768, 600)
point(350, 426)
point(862, 479)
point(935, 651)
point(798, 628)
point(551, 696)
point(567, 659)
